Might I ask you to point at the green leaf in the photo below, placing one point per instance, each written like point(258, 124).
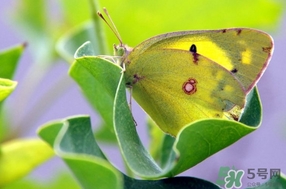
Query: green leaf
point(6, 88)
point(156, 139)
point(208, 137)
point(98, 82)
point(21, 156)
point(167, 153)
point(91, 31)
point(252, 105)
point(9, 59)
point(8, 63)
point(85, 49)
point(73, 141)
point(75, 144)
point(68, 44)
point(33, 23)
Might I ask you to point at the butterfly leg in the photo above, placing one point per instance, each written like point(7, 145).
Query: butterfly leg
point(130, 104)
point(123, 67)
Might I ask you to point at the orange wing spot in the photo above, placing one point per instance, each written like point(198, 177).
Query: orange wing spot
point(266, 49)
point(189, 87)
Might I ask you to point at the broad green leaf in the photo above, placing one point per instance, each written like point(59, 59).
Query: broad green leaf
point(72, 40)
point(8, 63)
point(6, 88)
point(86, 49)
point(156, 139)
point(9, 59)
point(19, 157)
point(31, 19)
point(208, 137)
point(98, 83)
point(90, 31)
point(73, 141)
point(75, 144)
point(167, 153)
point(252, 105)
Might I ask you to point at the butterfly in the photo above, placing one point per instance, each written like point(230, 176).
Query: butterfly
point(184, 76)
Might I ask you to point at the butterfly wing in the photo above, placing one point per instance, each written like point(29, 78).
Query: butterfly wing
point(244, 52)
point(176, 87)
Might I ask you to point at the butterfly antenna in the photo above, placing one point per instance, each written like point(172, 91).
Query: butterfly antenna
point(111, 26)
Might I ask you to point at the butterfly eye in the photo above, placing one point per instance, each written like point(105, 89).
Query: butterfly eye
point(193, 48)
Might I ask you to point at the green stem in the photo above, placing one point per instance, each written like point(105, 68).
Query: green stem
point(98, 27)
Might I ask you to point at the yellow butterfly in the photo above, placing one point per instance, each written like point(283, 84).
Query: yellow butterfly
point(181, 77)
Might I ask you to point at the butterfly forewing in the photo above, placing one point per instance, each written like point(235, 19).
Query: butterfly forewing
point(244, 52)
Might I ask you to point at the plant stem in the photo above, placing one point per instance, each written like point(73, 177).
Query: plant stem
point(98, 28)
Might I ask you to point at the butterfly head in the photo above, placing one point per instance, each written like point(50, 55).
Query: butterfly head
point(122, 50)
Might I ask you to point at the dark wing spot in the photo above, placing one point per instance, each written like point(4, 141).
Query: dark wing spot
point(266, 49)
point(239, 31)
point(195, 58)
point(137, 78)
point(234, 70)
point(193, 48)
point(224, 30)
